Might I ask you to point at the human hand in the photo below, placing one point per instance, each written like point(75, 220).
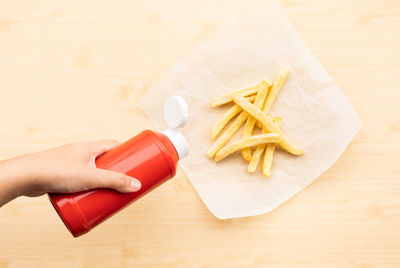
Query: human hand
point(66, 169)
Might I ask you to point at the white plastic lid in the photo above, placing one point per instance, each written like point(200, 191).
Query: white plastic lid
point(175, 111)
point(176, 115)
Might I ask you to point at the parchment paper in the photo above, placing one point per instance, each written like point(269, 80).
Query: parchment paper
point(316, 114)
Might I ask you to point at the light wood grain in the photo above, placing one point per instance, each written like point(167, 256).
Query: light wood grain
point(67, 69)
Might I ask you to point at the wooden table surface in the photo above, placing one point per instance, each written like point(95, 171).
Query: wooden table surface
point(67, 69)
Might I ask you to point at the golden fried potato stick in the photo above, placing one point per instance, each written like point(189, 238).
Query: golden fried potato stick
point(246, 142)
point(242, 92)
point(274, 91)
point(267, 123)
point(227, 134)
point(231, 113)
point(251, 121)
point(276, 87)
point(269, 153)
point(260, 149)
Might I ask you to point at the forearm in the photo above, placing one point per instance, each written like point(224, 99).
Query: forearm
point(14, 180)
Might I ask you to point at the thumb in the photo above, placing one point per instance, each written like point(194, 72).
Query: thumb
point(101, 178)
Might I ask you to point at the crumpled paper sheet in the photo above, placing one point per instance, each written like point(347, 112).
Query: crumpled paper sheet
point(316, 114)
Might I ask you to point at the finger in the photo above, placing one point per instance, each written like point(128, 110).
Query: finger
point(100, 178)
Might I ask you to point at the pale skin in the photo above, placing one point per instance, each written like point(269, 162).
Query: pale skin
point(66, 169)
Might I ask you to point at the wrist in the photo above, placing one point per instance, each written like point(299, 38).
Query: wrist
point(16, 179)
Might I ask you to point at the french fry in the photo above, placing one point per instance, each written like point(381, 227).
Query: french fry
point(227, 134)
point(274, 91)
point(242, 92)
point(249, 126)
point(267, 123)
point(231, 113)
point(220, 124)
point(246, 142)
point(260, 149)
point(251, 168)
point(269, 153)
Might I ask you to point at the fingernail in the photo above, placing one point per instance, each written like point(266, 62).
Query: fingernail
point(135, 185)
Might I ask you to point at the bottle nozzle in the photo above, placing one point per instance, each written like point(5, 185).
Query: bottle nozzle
point(179, 142)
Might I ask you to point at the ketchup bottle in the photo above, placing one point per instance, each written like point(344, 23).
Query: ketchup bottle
point(150, 157)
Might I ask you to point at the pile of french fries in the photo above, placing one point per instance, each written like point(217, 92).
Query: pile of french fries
point(251, 107)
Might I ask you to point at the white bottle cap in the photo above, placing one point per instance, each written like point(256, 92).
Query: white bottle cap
point(175, 111)
point(176, 115)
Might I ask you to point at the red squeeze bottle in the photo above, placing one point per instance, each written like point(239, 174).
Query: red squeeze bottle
point(150, 157)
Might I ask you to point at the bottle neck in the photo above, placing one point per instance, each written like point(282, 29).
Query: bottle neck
point(179, 141)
